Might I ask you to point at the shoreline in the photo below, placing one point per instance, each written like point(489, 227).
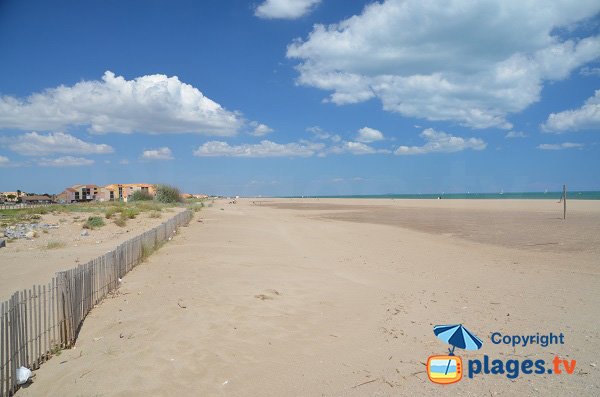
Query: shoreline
point(574, 195)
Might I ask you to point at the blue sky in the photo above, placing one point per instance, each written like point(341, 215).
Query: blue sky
point(300, 97)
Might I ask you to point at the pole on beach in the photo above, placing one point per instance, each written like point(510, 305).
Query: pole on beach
point(564, 201)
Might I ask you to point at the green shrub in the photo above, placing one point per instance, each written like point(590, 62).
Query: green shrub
point(147, 250)
point(55, 245)
point(141, 195)
point(129, 212)
point(167, 194)
point(93, 222)
point(110, 211)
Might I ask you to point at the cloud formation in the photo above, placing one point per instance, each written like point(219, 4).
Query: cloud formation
point(368, 135)
point(285, 9)
point(263, 149)
point(560, 146)
point(319, 133)
point(587, 71)
point(151, 104)
point(4, 161)
point(163, 153)
point(515, 134)
point(260, 129)
point(66, 161)
point(586, 117)
point(441, 142)
point(34, 144)
point(356, 148)
point(470, 62)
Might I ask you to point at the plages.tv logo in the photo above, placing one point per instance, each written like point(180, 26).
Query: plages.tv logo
point(446, 369)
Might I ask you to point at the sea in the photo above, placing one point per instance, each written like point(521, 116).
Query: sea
point(574, 195)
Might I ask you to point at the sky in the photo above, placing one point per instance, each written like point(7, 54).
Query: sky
point(301, 97)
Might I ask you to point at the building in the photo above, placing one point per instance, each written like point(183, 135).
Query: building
point(81, 193)
point(114, 192)
point(36, 199)
point(123, 191)
point(11, 197)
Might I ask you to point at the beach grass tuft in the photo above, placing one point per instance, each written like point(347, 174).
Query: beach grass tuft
point(55, 245)
point(93, 222)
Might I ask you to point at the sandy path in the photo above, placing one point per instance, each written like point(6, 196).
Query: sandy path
point(263, 301)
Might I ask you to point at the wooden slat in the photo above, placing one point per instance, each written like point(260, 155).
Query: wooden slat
point(53, 314)
point(3, 381)
point(39, 304)
point(31, 332)
point(46, 342)
point(13, 343)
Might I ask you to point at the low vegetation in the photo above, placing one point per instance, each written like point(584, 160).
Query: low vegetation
point(155, 214)
point(149, 249)
point(141, 195)
point(167, 194)
point(93, 222)
point(119, 212)
point(55, 245)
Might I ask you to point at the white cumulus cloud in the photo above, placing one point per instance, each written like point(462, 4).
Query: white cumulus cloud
point(560, 146)
point(263, 149)
point(260, 129)
point(588, 71)
point(4, 161)
point(515, 134)
point(66, 161)
point(152, 104)
point(163, 153)
point(441, 142)
point(35, 144)
point(368, 135)
point(357, 148)
point(319, 133)
point(586, 117)
point(474, 62)
point(285, 9)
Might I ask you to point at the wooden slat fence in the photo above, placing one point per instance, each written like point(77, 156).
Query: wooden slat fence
point(36, 323)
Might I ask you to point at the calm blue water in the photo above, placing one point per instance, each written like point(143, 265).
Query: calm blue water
point(594, 195)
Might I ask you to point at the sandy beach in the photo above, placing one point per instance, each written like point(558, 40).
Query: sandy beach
point(338, 297)
point(25, 262)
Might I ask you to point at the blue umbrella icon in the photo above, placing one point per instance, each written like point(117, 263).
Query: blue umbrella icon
point(457, 336)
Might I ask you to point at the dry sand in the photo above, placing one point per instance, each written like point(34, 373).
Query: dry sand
point(339, 297)
point(24, 263)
